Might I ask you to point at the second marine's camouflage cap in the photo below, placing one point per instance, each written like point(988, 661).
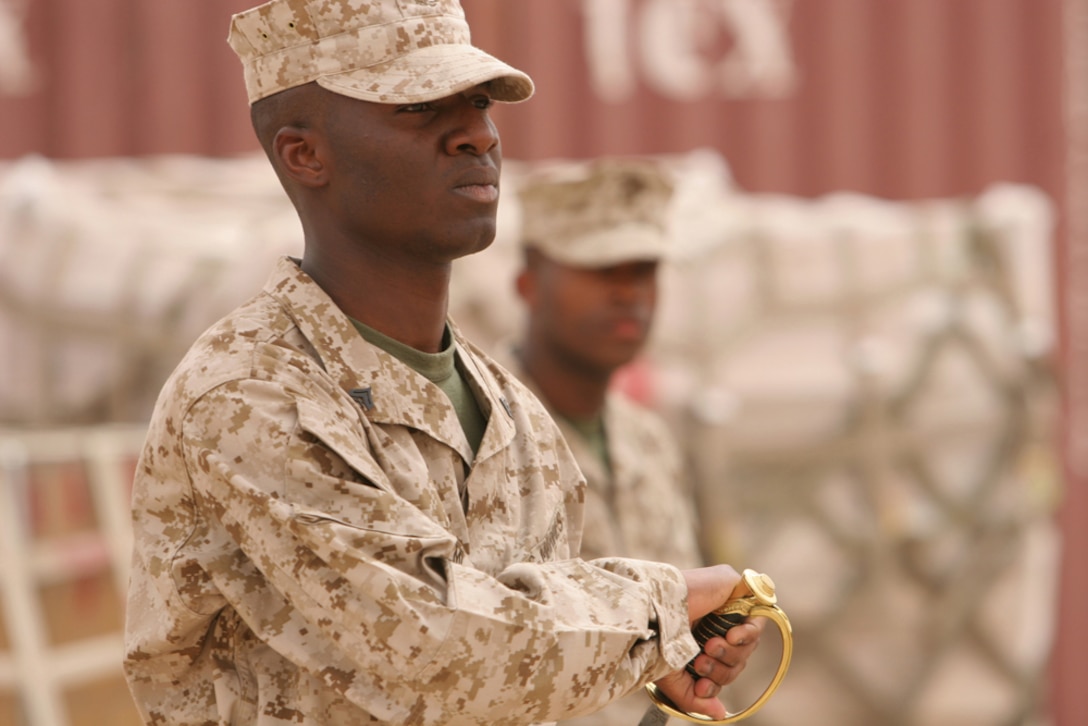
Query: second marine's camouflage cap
point(383, 51)
point(596, 214)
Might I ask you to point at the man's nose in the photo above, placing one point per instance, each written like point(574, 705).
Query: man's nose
point(475, 132)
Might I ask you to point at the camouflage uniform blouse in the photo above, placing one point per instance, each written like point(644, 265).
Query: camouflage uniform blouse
point(642, 508)
point(312, 547)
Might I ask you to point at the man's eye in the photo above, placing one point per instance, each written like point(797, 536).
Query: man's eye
point(415, 107)
point(483, 102)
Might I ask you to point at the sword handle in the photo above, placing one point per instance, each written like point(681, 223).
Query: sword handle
point(755, 597)
point(712, 625)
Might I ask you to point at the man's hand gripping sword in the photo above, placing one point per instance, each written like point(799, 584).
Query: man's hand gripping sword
point(754, 596)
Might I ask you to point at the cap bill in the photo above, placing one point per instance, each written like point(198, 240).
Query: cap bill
point(431, 73)
point(605, 248)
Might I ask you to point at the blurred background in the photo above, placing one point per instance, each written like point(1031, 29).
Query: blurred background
point(872, 339)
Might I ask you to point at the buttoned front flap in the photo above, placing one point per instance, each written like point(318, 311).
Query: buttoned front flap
point(332, 459)
point(340, 467)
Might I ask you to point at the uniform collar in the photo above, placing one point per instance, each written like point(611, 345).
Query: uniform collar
point(361, 369)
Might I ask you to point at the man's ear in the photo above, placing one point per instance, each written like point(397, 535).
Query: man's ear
point(300, 156)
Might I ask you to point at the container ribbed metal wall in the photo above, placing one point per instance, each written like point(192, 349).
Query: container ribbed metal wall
point(1069, 661)
point(898, 98)
point(903, 99)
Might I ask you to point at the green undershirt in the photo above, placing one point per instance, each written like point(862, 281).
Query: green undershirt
point(441, 369)
point(592, 430)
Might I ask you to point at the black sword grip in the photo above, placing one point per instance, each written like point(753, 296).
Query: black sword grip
point(710, 626)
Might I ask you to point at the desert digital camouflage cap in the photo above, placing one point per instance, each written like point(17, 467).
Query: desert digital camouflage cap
point(384, 51)
point(598, 213)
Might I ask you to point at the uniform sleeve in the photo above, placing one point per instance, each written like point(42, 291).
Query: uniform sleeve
point(365, 590)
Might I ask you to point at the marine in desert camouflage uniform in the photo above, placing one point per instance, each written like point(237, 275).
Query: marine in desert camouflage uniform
point(593, 235)
point(344, 512)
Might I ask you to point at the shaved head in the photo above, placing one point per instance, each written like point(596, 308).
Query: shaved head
point(298, 109)
point(295, 107)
